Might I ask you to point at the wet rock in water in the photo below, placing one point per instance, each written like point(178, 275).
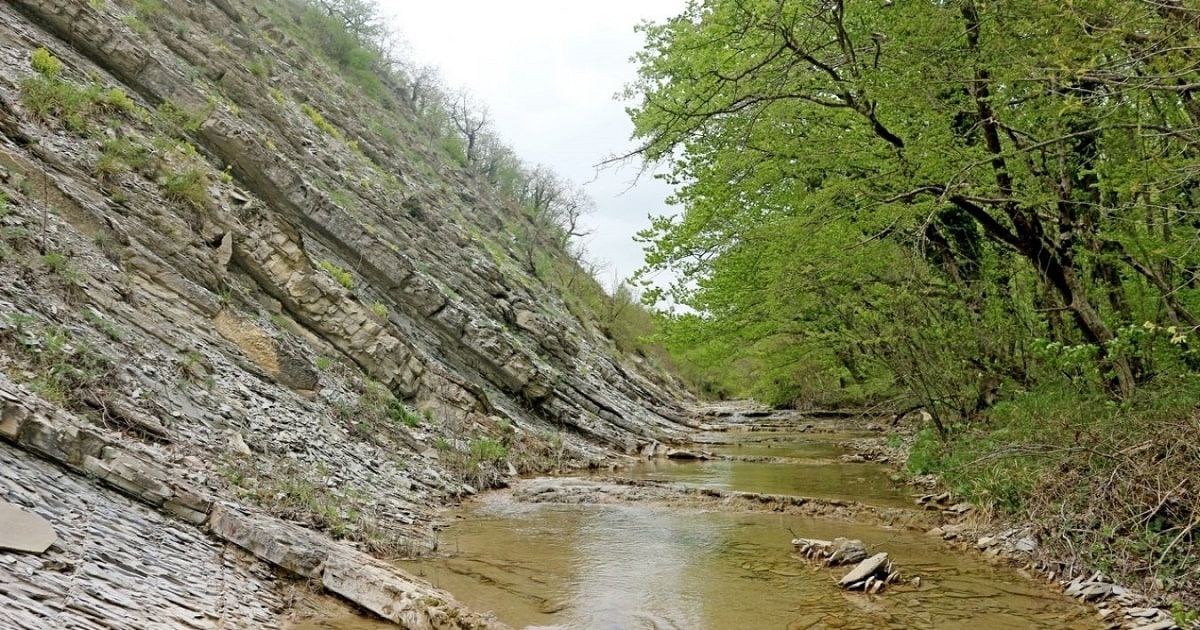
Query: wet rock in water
point(845, 551)
point(24, 531)
point(680, 454)
point(871, 575)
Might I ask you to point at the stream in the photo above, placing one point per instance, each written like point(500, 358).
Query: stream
point(619, 560)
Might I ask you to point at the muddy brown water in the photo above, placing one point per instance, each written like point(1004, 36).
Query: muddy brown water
point(640, 565)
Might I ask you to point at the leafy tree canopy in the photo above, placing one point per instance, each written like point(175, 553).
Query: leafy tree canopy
point(919, 199)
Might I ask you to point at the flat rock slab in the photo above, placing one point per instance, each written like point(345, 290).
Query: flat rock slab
point(865, 569)
point(21, 530)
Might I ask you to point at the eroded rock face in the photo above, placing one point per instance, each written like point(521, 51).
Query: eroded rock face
point(344, 305)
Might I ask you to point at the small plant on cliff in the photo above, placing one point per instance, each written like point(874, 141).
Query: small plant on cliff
point(400, 413)
point(64, 370)
point(486, 450)
point(189, 186)
point(380, 310)
point(120, 155)
point(173, 120)
point(45, 63)
point(342, 276)
point(319, 120)
point(52, 98)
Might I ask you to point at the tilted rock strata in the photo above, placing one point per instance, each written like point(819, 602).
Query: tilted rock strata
point(373, 585)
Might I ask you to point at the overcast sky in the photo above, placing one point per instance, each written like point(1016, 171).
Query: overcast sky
point(548, 70)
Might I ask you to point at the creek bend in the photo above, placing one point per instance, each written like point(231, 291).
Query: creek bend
point(666, 544)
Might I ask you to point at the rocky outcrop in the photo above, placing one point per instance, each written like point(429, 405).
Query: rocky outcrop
point(369, 583)
point(255, 326)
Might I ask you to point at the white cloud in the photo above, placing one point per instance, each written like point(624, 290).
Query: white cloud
point(548, 70)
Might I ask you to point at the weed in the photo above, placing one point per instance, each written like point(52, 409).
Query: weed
point(55, 262)
point(109, 329)
point(136, 25)
point(260, 67)
point(319, 120)
point(487, 450)
point(324, 363)
point(189, 186)
point(120, 155)
point(400, 413)
point(192, 367)
point(45, 63)
point(175, 121)
point(65, 370)
point(343, 277)
point(380, 310)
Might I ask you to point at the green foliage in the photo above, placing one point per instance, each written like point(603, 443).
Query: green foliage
point(950, 205)
point(174, 121)
point(343, 277)
point(319, 120)
point(188, 185)
point(260, 67)
point(110, 330)
point(1184, 617)
point(55, 262)
point(120, 155)
point(833, 199)
point(379, 310)
point(354, 52)
point(63, 369)
point(484, 450)
point(398, 412)
point(45, 63)
point(52, 98)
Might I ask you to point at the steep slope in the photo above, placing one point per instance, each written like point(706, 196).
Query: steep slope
point(229, 279)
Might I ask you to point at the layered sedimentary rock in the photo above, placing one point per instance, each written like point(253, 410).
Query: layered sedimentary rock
point(229, 328)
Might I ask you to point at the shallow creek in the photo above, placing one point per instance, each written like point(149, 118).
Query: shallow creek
point(640, 564)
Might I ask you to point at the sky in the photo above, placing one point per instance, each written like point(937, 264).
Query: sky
point(548, 71)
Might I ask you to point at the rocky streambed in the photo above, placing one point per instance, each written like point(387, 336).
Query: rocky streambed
point(704, 541)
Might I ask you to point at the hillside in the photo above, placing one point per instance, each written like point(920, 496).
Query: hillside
point(244, 299)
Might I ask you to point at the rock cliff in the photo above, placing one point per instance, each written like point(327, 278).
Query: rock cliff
point(264, 321)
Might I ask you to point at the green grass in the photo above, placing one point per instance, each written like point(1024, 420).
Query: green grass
point(319, 120)
point(343, 277)
point(52, 98)
point(119, 156)
point(189, 186)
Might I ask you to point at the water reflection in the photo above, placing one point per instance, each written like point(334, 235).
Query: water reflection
point(638, 566)
point(868, 483)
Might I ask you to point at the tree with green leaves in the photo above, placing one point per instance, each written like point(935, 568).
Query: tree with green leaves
point(870, 188)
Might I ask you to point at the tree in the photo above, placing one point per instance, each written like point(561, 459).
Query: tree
point(470, 118)
point(1010, 162)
